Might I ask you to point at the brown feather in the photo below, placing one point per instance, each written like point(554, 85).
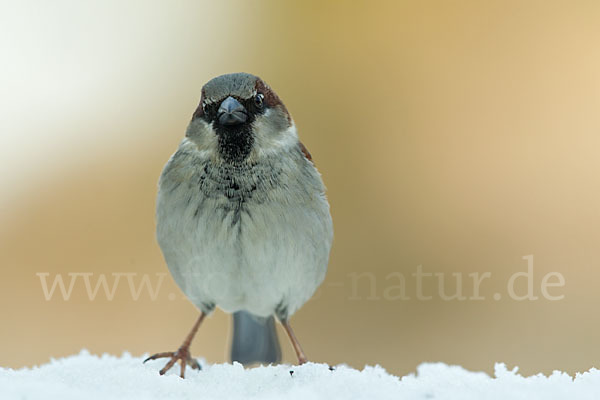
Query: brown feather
point(271, 98)
point(306, 152)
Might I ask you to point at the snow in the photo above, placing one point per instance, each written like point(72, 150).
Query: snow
point(86, 376)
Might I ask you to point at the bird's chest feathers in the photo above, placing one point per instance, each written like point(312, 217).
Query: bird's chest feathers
point(237, 189)
point(231, 202)
point(213, 206)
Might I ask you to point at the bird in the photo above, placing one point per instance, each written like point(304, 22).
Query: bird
point(242, 218)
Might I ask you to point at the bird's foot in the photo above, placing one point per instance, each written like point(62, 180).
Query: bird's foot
point(182, 354)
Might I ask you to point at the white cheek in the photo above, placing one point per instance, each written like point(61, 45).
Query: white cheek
point(270, 138)
point(202, 135)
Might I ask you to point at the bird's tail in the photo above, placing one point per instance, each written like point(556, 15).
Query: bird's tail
point(254, 339)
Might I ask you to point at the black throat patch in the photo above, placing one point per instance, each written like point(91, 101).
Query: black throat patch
point(235, 142)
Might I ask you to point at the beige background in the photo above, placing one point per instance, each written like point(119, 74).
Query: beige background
point(456, 135)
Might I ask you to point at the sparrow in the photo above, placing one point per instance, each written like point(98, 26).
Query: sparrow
point(242, 218)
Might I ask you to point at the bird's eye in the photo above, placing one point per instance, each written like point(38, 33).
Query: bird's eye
point(258, 100)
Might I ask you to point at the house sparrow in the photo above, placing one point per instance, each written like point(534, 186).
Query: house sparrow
point(242, 218)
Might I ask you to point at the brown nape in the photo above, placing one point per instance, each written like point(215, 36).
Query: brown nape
point(271, 98)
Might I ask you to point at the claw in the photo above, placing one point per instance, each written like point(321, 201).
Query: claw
point(159, 355)
point(182, 355)
point(168, 366)
point(192, 362)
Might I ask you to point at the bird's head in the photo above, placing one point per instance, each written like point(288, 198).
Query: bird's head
point(240, 117)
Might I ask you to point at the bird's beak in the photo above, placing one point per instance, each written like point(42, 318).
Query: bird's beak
point(232, 112)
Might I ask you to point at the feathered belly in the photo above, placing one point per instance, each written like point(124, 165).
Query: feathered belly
point(261, 258)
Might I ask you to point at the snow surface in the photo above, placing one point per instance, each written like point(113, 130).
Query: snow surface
point(86, 376)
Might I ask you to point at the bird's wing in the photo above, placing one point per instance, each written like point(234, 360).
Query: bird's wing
point(306, 152)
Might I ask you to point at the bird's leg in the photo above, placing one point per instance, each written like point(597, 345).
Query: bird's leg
point(183, 353)
point(297, 348)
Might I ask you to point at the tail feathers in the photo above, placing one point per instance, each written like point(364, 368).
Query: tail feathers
point(254, 339)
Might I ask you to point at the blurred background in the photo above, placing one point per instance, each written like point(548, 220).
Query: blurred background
point(459, 136)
